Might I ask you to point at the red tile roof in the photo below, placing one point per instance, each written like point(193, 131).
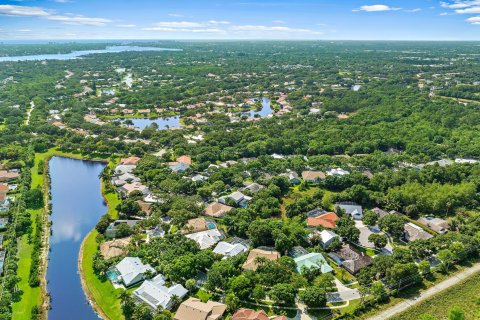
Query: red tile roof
point(327, 220)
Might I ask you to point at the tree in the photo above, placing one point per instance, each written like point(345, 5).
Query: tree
point(232, 302)
point(456, 313)
point(34, 198)
point(258, 293)
point(190, 284)
point(313, 297)
point(346, 228)
point(241, 286)
point(378, 291)
point(378, 240)
point(392, 224)
point(283, 293)
point(446, 257)
point(424, 267)
point(401, 274)
point(370, 218)
point(142, 312)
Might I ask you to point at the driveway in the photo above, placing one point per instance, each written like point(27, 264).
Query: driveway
point(365, 232)
point(343, 293)
point(404, 305)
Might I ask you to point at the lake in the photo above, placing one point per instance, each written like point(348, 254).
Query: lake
point(265, 111)
point(78, 54)
point(77, 205)
point(163, 123)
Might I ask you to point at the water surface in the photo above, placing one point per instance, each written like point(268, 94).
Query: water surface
point(162, 123)
point(78, 54)
point(265, 111)
point(77, 206)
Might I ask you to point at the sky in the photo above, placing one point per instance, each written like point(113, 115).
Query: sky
point(240, 19)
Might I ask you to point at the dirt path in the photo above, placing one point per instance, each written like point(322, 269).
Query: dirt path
point(404, 305)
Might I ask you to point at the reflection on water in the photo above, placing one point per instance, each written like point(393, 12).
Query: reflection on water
point(162, 123)
point(265, 111)
point(77, 205)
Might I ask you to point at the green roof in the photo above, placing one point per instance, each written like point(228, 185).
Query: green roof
point(312, 260)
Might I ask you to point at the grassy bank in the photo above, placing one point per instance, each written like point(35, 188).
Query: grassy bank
point(464, 294)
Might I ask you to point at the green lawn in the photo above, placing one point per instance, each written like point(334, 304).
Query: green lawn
point(105, 295)
point(466, 295)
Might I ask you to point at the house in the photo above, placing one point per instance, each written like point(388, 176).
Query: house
point(251, 263)
point(312, 261)
point(6, 175)
point(113, 227)
point(198, 177)
point(252, 187)
point(316, 212)
point(155, 294)
point(238, 198)
point(413, 232)
point(195, 309)
point(114, 248)
point(196, 225)
point(351, 259)
point(249, 314)
point(3, 223)
point(157, 232)
point(229, 249)
point(291, 176)
point(438, 225)
point(184, 159)
point(132, 161)
point(131, 271)
point(326, 220)
point(313, 176)
point(206, 239)
point(217, 209)
point(2, 260)
point(350, 208)
point(128, 188)
point(380, 213)
point(337, 172)
point(325, 237)
point(179, 167)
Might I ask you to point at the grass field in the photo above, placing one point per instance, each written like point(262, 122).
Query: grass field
point(466, 295)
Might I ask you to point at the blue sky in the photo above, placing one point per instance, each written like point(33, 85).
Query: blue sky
point(241, 19)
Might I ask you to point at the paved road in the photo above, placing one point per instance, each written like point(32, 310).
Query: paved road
point(402, 306)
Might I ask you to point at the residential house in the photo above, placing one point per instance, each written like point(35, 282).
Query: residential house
point(228, 250)
point(146, 207)
point(249, 314)
point(198, 177)
point(2, 260)
point(217, 209)
point(350, 208)
point(114, 248)
point(3, 223)
point(326, 220)
point(113, 227)
point(7, 175)
point(413, 232)
point(128, 188)
point(130, 161)
point(155, 294)
point(179, 167)
point(313, 176)
point(195, 309)
point(351, 259)
point(131, 271)
point(206, 239)
point(312, 261)
point(438, 225)
point(337, 172)
point(184, 159)
point(292, 176)
point(238, 198)
point(252, 187)
point(325, 237)
point(380, 213)
point(267, 253)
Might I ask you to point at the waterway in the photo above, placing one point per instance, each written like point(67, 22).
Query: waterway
point(81, 53)
point(162, 123)
point(77, 206)
point(265, 111)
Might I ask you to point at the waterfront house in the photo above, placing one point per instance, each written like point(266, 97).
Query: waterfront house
point(155, 294)
point(312, 261)
point(132, 161)
point(131, 271)
point(111, 230)
point(195, 309)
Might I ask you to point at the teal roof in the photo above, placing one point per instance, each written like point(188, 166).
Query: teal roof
point(312, 260)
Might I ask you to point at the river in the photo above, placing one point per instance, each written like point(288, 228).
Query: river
point(77, 206)
point(79, 54)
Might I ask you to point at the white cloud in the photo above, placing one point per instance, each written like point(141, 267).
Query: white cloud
point(414, 10)
point(179, 24)
point(176, 15)
point(24, 30)
point(278, 21)
point(62, 1)
point(474, 20)
point(126, 25)
point(273, 28)
point(218, 22)
point(194, 30)
point(468, 10)
point(460, 4)
point(22, 11)
point(377, 8)
point(80, 20)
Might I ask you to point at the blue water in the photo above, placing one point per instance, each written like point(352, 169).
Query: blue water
point(78, 54)
point(163, 123)
point(265, 111)
point(77, 205)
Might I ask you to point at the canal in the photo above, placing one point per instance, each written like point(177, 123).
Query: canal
point(77, 206)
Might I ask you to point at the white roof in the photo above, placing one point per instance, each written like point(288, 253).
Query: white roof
point(229, 250)
point(206, 239)
point(154, 293)
point(130, 267)
point(327, 236)
point(337, 172)
point(124, 168)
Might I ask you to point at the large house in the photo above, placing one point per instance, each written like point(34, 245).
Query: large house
point(196, 225)
point(8, 175)
point(217, 209)
point(326, 220)
point(351, 208)
point(413, 232)
point(130, 161)
point(337, 172)
point(251, 263)
point(111, 231)
point(128, 188)
point(249, 314)
point(206, 239)
point(313, 176)
point(154, 293)
point(325, 237)
point(438, 225)
point(351, 259)
point(238, 198)
point(312, 261)
point(131, 271)
point(228, 250)
point(195, 309)
point(292, 176)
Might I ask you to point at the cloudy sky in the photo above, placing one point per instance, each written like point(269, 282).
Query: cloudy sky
point(241, 19)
